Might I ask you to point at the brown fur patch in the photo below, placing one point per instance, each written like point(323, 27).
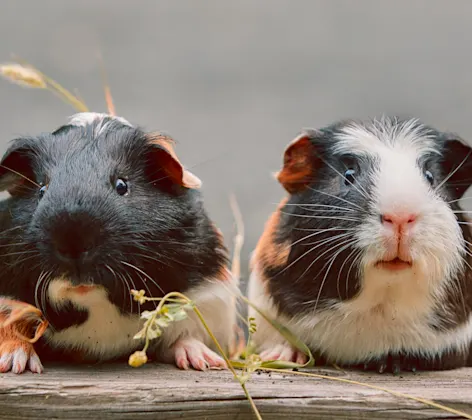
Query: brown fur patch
point(298, 165)
point(268, 252)
point(20, 321)
point(171, 163)
point(19, 327)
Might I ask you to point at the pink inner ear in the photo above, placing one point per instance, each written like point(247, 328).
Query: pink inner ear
point(298, 165)
point(170, 163)
point(190, 180)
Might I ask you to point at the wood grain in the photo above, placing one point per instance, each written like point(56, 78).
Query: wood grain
point(163, 392)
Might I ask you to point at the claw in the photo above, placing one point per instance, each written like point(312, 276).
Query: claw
point(393, 363)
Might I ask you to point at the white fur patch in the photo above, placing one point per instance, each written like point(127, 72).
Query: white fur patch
point(363, 329)
point(107, 333)
point(85, 119)
point(384, 132)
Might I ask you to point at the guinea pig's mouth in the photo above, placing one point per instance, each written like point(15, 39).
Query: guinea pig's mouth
point(395, 264)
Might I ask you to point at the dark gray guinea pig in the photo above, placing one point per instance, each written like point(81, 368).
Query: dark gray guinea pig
point(96, 208)
point(368, 258)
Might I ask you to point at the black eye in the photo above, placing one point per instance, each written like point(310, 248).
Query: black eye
point(42, 190)
point(429, 177)
point(121, 186)
point(349, 176)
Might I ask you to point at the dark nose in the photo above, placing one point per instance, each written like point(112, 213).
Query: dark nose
point(74, 235)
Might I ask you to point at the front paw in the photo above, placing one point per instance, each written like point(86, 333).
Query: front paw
point(17, 356)
point(190, 352)
point(284, 352)
point(21, 325)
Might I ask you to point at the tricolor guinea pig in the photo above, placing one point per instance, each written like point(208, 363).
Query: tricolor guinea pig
point(97, 208)
point(368, 258)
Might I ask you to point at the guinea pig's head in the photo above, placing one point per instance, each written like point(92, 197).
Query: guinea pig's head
point(373, 204)
point(101, 201)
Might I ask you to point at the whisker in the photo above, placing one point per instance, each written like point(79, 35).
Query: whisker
point(452, 172)
point(333, 248)
point(143, 273)
point(12, 229)
point(310, 236)
point(330, 239)
point(325, 229)
point(19, 261)
point(44, 290)
point(321, 217)
point(319, 205)
point(21, 175)
point(328, 270)
point(36, 289)
point(124, 285)
point(130, 278)
point(459, 199)
point(354, 261)
point(341, 270)
point(18, 253)
point(338, 198)
point(18, 244)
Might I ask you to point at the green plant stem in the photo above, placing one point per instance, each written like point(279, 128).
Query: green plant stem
point(214, 339)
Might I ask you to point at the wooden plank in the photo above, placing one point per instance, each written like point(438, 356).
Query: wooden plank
point(163, 392)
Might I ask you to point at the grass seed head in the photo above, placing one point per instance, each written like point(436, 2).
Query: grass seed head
point(23, 76)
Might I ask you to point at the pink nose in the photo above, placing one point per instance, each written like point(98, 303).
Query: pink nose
point(398, 220)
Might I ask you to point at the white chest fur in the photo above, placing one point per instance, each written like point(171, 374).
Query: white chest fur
point(105, 334)
point(385, 317)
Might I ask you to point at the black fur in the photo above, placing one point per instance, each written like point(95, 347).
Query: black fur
point(305, 215)
point(159, 227)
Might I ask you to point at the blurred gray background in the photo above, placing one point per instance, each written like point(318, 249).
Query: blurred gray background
point(234, 81)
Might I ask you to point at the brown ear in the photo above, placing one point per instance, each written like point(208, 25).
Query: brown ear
point(168, 161)
point(16, 166)
point(299, 164)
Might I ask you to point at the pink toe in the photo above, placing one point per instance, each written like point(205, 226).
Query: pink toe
point(301, 358)
point(181, 358)
point(6, 362)
point(35, 364)
point(20, 359)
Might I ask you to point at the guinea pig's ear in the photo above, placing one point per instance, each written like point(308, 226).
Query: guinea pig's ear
point(299, 163)
point(15, 167)
point(457, 164)
point(164, 157)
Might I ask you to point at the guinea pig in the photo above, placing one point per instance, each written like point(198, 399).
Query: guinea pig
point(367, 260)
point(96, 208)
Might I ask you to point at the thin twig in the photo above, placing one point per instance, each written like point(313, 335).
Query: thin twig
point(238, 238)
point(106, 87)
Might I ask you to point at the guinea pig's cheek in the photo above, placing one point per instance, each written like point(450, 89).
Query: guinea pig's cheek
point(437, 243)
